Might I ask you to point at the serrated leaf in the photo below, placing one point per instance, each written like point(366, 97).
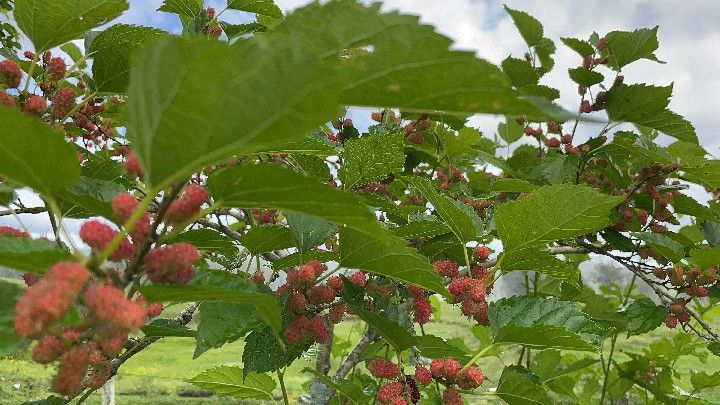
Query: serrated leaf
point(223, 322)
point(31, 255)
point(541, 261)
point(669, 248)
point(49, 23)
point(459, 220)
point(219, 286)
point(166, 327)
point(647, 105)
point(520, 386)
point(392, 259)
point(530, 28)
point(111, 51)
point(644, 315)
point(263, 7)
point(711, 230)
point(520, 72)
point(585, 77)
point(543, 323)
point(89, 197)
point(247, 187)
point(706, 258)
point(266, 238)
point(208, 240)
point(437, 347)
point(9, 294)
point(704, 380)
point(188, 8)
point(232, 381)
point(238, 30)
point(21, 138)
point(705, 173)
point(557, 168)
point(582, 48)
point(309, 231)
point(313, 166)
point(372, 158)
point(510, 131)
point(683, 204)
point(263, 352)
point(625, 47)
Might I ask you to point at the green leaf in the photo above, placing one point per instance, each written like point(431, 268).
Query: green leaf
point(238, 30)
point(669, 248)
point(543, 323)
point(460, 144)
point(705, 173)
point(557, 168)
point(647, 105)
point(683, 204)
point(21, 137)
point(421, 229)
point(392, 259)
point(166, 327)
point(395, 334)
point(313, 166)
point(510, 131)
point(208, 240)
point(263, 352)
point(31, 255)
point(9, 295)
point(75, 53)
point(372, 158)
point(188, 8)
point(436, 347)
point(459, 220)
point(111, 51)
point(583, 48)
point(351, 390)
point(309, 231)
point(232, 381)
point(530, 28)
point(298, 258)
point(172, 143)
point(49, 23)
point(262, 7)
point(51, 400)
point(7, 194)
point(625, 47)
point(247, 187)
point(539, 260)
point(711, 230)
point(219, 286)
point(706, 258)
point(266, 238)
point(704, 380)
point(89, 197)
point(223, 322)
point(644, 316)
point(520, 386)
point(585, 77)
point(520, 72)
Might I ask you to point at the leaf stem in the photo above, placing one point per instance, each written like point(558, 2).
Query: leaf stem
point(281, 380)
point(479, 354)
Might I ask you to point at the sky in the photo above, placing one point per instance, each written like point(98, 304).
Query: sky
point(689, 39)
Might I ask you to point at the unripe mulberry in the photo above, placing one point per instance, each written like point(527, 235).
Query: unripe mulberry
point(470, 378)
point(112, 342)
point(358, 278)
point(321, 294)
point(11, 72)
point(48, 349)
point(50, 298)
point(553, 143)
point(671, 321)
point(71, 371)
point(108, 304)
point(381, 368)
point(422, 310)
point(336, 283)
point(30, 278)
point(451, 369)
point(296, 301)
point(423, 375)
point(171, 263)
point(141, 230)
point(482, 253)
point(436, 367)
point(99, 375)
point(451, 397)
point(98, 235)
point(63, 102)
point(35, 105)
point(446, 268)
point(132, 165)
point(336, 313)
point(57, 68)
point(388, 392)
point(123, 205)
point(296, 330)
point(319, 329)
point(10, 231)
point(6, 99)
point(185, 207)
point(258, 277)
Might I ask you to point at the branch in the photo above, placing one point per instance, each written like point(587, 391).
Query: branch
point(24, 210)
point(320, 392)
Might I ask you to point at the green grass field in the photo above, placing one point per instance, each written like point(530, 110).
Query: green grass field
point(158, 374)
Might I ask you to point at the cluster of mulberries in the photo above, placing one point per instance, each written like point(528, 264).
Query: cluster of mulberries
point(381, 368)
point(693, 281)
point(187, 205)
point(98, 235)
point(172, 264)
point(302, 325)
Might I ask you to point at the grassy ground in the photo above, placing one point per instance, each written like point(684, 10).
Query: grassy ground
point(157, 375)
